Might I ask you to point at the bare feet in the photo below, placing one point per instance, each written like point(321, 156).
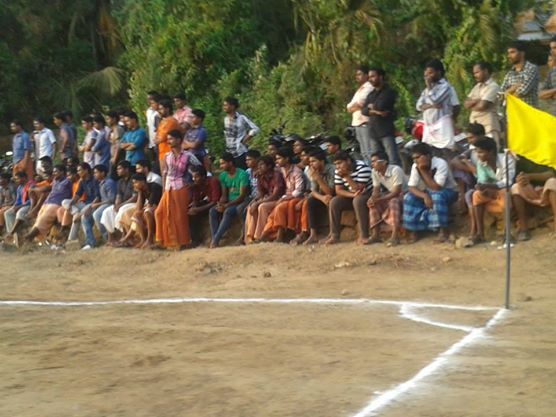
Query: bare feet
point(311, 240)
point(213, 244)
point(412, 237)
point(442, 237)
point(300, 238)
point(331, 240)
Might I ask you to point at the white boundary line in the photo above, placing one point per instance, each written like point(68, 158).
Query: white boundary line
point(406, 310)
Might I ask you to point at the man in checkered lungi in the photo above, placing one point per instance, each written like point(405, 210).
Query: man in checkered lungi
point(432, 190)
point(386, 206)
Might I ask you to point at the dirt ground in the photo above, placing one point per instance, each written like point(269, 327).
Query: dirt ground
point(207, 359)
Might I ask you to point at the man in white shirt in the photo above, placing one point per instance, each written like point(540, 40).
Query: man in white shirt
point(45, 143)
point(386, 206)
point(358, 120)
point(483, 100)
point(432, 190)
point(153, 118)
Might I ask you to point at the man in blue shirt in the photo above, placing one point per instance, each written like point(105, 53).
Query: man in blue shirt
point(21, 147)
point(102, 146)
point(134, 140)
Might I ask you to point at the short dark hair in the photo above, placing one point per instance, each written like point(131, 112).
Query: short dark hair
point(343, 156)
point(46, 159)
point(476, 129)
point(285, 152)
point(233, 101)
point(139, 177)
point(228, 157)
point(153, 93)
point(199, 169)
point(436, 65)
point(68, 113)
point(39, 119)
point(72, 170)
point(199, 113)
point(166, 103)
point(552, 40)
point(484, 66)
point(131, 114)
point(381, 155)
point(308, 149)
point(60, 116)
point(87, 119)
point(334, 140)
point(16, 122)
point(61, 168)
point(145, 163)
point(113, 114)
point(99, 119)
point(421, 149)
point(517, 45)
point(318, 154)
point(21, 174)
point(124, 164)
point(268, 161)
point(253, 153)
point(363, 68)
point(85, 166)
point(378, 70)
point(176, 134)
point(487, 144)
point(100, 168)
point(180, 96)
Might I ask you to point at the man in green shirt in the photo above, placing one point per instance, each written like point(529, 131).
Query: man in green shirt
point(235, 189)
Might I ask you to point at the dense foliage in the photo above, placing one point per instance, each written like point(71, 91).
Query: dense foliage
point(287, 60)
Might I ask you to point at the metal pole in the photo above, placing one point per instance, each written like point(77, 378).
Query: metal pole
point(508, 234)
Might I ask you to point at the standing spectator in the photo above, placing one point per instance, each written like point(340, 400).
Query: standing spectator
point(522, 80)
point(385, 204)
point(436, 103)
point(360, 120)
point(68, 138)
point(153, 119)
point(134, 139)
point(116, 134)
point(432, 190)
point(483, 101)
point(238, 131)
point(205, 193)
point(379, 106)
point(235, 189)
point(333, 147)
point(89, 141)
point(102, 146)
point(171, 215)
point(548, 88)
point(167, 124)
point(196, 138)
point(183, 113)
point(45, 143)
point(21, 148)
point(353, 187)
point(68, 120)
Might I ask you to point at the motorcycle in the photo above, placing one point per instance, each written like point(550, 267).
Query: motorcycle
point(6, 162)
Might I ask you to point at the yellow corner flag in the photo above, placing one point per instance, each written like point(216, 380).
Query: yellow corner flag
point(531, 132)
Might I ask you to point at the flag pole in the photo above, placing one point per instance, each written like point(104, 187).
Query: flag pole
point(508, 236)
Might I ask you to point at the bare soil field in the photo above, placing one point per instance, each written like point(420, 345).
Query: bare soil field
point(277, 359)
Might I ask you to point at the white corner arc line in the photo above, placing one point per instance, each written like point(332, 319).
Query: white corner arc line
point(387, 397)
point(330, 301)
point(407, 311)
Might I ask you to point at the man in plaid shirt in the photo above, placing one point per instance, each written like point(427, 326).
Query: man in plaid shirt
point(522, 80)
point(548, 89)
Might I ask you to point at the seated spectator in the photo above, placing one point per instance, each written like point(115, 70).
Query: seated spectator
point(48, 214)
point(144, 167)
point(491, 185)
point(321, 177)
point(385, 204)
point(533, 189)
point(432, 190)
point(298, 145)
point(235, 189)
point(125, 199)
point(39, 191)
point(205, 194)
point(104, 199)
point(272, 148)
point(464, 166)
point(80, 203)
point(7, 197)
point(142, 229)
point(15, 216)
point(270, 187)
point(284, 216)
point(172, 220)
point(353, 187)
point(196, 138)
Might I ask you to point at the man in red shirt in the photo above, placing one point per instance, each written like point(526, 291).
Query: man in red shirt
point(205, 194)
